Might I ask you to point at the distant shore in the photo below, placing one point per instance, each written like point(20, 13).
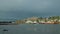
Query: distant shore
point(40, 20)
point(34, 20)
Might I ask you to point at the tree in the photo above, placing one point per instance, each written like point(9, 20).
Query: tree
point(45, 19)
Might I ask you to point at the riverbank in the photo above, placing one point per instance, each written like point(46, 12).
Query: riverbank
point(40, 20)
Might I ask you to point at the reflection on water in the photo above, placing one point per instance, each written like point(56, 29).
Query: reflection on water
point(31, 29)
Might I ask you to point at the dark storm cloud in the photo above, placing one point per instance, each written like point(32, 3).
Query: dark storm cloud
point(26, 8)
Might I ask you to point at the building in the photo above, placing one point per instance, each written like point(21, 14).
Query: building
point(28, 21)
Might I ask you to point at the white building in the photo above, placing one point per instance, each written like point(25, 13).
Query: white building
point(59, 20)
point(28, 21)
point(48, 22)
point(35, 22)
point(42, 21)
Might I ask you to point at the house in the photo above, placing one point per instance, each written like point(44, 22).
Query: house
point(35, 22)
point(59, 20)
point(42, 22)
point(28, 21)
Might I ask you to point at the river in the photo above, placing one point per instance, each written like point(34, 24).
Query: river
point(31, 29)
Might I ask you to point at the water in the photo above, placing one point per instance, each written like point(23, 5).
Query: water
point(31, 29)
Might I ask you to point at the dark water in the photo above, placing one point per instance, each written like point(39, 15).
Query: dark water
point(31, 29)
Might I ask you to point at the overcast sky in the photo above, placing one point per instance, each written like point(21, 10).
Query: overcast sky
point(18, 9)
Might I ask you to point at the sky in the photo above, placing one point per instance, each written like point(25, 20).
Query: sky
point(20, 9)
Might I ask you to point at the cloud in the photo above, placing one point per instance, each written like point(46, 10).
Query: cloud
point(28, 8)
point(6, 5)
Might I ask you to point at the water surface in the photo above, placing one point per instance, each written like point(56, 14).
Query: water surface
point(31, 29)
